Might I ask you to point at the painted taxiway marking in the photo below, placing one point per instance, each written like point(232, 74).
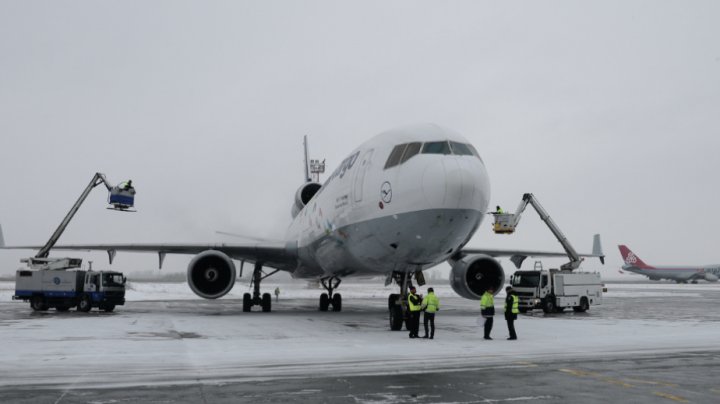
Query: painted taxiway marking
point(670, 397)
point(654, 383)
point(597, 376)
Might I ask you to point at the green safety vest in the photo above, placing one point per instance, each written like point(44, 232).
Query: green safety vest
point(431, 303)
point(487, 300)
point(413, 307)
point(515, 308)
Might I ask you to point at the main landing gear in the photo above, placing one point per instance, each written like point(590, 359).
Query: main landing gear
point(330, 298)
point(264, 301)
point(397, 303)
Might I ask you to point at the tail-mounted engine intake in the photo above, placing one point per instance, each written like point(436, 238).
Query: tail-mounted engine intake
point(303, 196)
point(472, 275)
point(211, 274)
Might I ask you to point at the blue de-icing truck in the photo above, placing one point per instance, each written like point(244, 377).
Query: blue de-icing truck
point(64, 289)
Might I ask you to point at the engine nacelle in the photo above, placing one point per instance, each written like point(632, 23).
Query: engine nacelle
point(211, 274)
point(711, 277)
point(303, 196)
point(472, 275)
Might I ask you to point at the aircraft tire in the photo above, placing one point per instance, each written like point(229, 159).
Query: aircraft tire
point(247, 302)
point(396, 318)
point(337, 302)
point(392, 300)
point(324, 302)
point(266, 302)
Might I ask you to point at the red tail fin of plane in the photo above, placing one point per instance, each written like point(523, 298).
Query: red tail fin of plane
point(631, 259)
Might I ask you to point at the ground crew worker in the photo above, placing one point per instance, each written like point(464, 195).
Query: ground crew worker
point(511, 311)
point(498, 210)
point(430, 305)
point(487, 310)
point(414, 304)
point(277, 294)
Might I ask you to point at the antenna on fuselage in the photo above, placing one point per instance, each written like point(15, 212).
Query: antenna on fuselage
point(313, 168)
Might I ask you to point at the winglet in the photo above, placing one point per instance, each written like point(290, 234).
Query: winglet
point(2, 239)
point(597, 248)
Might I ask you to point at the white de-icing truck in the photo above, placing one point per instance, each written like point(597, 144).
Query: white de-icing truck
point(553, 291)
point(63, 289)
point(59, 282)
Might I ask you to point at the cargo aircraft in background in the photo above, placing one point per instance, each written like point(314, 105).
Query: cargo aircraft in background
point(679, 274)
point(404, 201)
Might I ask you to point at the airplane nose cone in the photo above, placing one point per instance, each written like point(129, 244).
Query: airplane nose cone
point(456, 183)
point(433, 183)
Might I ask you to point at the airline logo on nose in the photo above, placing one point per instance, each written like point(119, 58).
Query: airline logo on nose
point(631, 258)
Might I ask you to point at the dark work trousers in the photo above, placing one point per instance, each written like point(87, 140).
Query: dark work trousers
point(429, 317)
point(488, 326)
point(510, 318)
point(414, 325)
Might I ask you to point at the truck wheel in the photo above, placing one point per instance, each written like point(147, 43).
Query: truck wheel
point(549, 306)
point(85, 304)
point(38, 303)
point(584, 306)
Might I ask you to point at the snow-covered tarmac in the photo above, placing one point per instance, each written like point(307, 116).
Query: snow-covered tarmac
point(164, 335)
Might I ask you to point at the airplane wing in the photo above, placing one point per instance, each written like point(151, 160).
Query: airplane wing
point(518, 256)
point(271, 254)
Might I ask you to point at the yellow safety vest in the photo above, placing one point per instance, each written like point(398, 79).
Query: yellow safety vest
point(411, 306)
point(431, 303)
point(487, 300)
point(515, 308)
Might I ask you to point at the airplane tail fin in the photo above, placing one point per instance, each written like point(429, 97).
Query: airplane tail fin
point(631, 259)
point(597, 248)
point(2, 240)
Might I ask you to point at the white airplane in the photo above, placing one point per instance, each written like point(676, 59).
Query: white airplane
point(679, 274)
point(404, 201)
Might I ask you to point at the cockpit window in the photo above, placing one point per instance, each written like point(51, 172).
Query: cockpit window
point(436, 148)
point(395, 156)
point(460, 149)
point(411, 150)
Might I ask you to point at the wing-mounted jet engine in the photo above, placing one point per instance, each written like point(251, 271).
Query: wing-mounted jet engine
point(211, 274)
point(303, 196)
point(472, 275)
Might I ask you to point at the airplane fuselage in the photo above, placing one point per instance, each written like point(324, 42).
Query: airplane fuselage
point(676, 273)
point(372, 216)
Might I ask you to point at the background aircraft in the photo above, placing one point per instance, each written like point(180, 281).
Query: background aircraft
point(679, 274)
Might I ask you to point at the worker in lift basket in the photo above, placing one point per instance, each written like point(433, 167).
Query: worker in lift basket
point(414, 305)
point(487, 310)
point(430, 305)
point(511, 311)
point(498, 210)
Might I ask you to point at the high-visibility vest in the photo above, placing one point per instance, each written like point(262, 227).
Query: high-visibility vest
point(515, 304)
point(431, 303)
point(487, 300)
point(411, 305)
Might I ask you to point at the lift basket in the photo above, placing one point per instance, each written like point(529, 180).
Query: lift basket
point(122, 198)
point(504, 223)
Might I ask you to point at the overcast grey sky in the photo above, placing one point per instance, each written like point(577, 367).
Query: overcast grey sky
point(608, 111)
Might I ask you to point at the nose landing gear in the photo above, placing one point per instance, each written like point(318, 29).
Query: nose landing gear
point(397, 303)
point(330, 298)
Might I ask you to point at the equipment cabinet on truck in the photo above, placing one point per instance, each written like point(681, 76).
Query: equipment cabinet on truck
point(63, 289)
